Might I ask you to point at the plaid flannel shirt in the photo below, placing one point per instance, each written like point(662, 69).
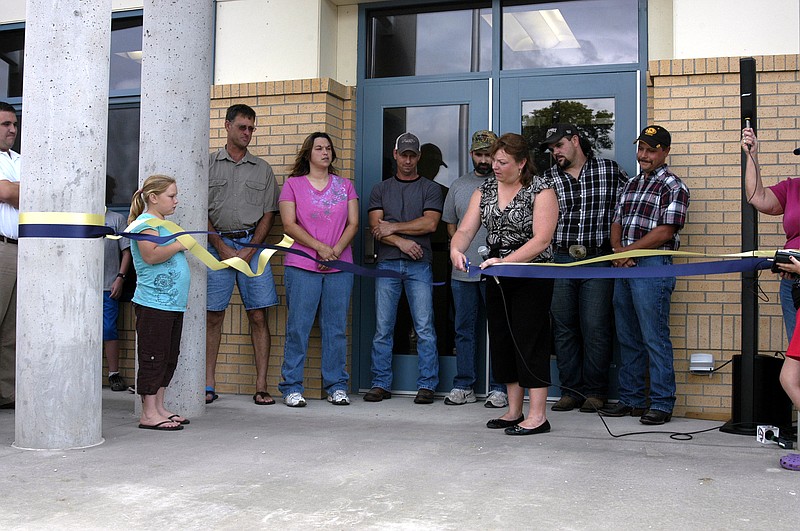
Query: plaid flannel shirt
point(649, 200)
point(586, 205)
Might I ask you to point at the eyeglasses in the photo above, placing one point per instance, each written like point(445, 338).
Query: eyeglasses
point(244, 128)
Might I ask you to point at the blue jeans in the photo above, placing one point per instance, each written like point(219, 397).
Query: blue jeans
point(583, 331)
point(419, 292)
point(469, 301)
point(641, 309)
point(787, 306)
point(305, 292)
point(110, 316)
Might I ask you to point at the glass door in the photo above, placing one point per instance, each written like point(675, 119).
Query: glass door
point(603, 106)
point(443, 115)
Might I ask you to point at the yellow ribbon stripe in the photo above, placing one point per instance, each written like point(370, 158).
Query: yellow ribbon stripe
point(61, 218)
point(202, 254)
point(649, 252)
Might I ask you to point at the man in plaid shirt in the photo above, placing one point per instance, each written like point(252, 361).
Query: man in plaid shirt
point(651, 211)
point(587, 188)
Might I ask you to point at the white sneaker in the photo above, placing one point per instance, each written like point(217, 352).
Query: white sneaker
point(339, 398)
point(294, 400)
point(460, 396)
point(496, 399)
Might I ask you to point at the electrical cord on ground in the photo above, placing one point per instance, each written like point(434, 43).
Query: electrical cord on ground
point(675, 435)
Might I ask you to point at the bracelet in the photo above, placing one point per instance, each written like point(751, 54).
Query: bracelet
point(121, 275)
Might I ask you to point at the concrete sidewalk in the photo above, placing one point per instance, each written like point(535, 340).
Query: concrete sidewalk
point(393, 465)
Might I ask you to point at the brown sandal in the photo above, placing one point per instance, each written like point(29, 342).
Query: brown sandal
point(263, 395)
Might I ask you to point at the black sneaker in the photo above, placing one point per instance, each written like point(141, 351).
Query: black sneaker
point(117, 382)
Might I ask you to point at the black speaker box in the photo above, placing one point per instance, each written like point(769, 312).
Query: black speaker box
point(771, 405)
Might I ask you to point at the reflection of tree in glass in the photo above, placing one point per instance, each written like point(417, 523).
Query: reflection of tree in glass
point(594, 125)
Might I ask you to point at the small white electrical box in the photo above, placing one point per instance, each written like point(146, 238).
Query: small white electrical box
point(701, 363)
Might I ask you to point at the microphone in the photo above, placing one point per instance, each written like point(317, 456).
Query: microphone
point(483, 252)
point(747, 126)
point(796, 151)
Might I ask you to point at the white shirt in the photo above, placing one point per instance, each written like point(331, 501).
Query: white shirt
point(10, 169)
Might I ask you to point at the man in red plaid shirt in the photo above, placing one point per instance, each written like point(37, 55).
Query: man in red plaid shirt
point(650, 212)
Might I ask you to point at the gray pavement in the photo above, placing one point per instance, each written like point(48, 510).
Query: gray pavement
point(393, 465)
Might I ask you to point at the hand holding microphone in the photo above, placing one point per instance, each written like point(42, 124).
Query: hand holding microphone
point(483, 251)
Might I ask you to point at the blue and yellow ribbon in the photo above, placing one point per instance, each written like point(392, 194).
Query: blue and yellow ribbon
point(79, 225)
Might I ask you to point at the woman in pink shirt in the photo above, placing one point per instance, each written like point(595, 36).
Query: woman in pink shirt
point(319, 210)
point(783, 198)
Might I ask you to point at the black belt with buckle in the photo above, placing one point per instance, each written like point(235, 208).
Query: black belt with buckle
point(235, 235)
point(578, 251)
point(8, 240)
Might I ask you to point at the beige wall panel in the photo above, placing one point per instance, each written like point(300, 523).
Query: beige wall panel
point(266, 41)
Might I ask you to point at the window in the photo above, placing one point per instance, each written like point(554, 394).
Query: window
point(11, 58)
point(425, 42)
point(125, 76)
point(573, 33)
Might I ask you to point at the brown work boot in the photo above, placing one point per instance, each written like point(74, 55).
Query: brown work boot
point(567, 403)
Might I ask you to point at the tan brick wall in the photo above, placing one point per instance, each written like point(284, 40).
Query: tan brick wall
point(287, 111)
point(698, 101)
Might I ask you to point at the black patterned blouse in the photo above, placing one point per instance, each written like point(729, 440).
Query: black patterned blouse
point(511, 228)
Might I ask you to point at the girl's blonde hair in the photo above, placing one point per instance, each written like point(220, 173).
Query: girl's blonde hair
point(155, 184)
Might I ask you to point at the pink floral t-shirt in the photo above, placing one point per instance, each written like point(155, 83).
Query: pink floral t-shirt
point(322, 213)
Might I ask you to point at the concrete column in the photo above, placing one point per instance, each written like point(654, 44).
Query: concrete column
point(59, 308)
point(176, 80)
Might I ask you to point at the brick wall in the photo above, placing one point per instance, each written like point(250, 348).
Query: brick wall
point(287, 111)
point(698, 101)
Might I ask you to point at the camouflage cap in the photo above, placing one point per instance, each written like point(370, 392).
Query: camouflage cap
point(482, 140)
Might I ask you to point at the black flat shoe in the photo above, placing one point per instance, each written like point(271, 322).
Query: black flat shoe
point(655, 417)
point(496, 424)
point(519, 430)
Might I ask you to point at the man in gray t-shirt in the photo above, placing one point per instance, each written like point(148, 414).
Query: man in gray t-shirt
point(469, 293)
point(116, 264)
point(404, 211)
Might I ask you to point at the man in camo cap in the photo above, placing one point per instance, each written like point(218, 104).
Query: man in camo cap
point(469, 293)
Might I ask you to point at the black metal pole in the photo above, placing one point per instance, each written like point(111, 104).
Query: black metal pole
point(744, 384)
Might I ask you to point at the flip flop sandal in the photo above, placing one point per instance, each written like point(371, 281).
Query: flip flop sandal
point(263, 395)
point(210, 391)
point(160, 426)
point(791, 462)
point(184, 422)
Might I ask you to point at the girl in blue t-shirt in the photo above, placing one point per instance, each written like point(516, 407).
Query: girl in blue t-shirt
point(162, 289)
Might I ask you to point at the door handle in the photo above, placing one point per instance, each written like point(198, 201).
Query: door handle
point(370, 255)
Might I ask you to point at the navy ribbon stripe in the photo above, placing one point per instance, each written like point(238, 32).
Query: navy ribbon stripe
point(741, 265)
point(675, 270)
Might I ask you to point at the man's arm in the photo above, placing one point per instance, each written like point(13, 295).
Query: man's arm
point(426, 224)
point(409, 247)
point(260, 234)
point(124, 267)
point(9, 193)
point(652, 240)
point(222, 248)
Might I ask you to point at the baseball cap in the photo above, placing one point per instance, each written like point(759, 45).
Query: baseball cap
point(407, 142)
point(655, 136)
point(482, 139)
point(556, 133)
